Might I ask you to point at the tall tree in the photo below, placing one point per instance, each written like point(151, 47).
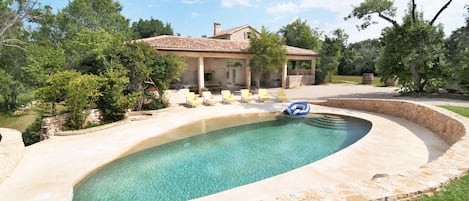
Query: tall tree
point(93, 15)
point(457, 53)
point(300, 34)
point(12, 14)
point(359, 57)
point(421, 61)
point(150, 28)
point(268, 54)
point(331, 52)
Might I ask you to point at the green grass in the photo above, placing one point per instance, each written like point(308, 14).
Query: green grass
point(457, 190)
point(464, 111)
point(20, 122)
point(351, 79)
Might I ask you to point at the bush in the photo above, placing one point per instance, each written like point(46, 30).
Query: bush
point(32, 134)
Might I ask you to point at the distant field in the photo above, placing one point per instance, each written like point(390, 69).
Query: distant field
point(350, 79)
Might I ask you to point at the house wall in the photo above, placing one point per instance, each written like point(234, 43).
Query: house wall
point(189, 77)
point(241, 34)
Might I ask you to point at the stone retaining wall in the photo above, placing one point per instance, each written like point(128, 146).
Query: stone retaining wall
point(411, 184)
point(11, 151)
point(52, 126)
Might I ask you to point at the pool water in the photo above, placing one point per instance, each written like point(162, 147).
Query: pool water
point(222, 159)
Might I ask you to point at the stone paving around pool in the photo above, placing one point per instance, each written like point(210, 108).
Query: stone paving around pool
point(404, 158)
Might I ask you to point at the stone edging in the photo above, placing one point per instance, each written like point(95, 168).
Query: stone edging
point(93, 129)
point(411, 184)
point(11, 151)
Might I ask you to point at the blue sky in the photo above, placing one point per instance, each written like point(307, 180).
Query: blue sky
point(195, 18)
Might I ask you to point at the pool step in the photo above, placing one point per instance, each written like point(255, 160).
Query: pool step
point(329, 121)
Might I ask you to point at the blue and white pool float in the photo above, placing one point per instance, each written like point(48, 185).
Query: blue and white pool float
point(297, 109)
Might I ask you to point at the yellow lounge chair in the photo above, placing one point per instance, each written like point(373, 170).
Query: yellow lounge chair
point(227, 96)
point(208, 98)
point(192, 100)
point(263, 95)
point(246, 95)
point(281, 95)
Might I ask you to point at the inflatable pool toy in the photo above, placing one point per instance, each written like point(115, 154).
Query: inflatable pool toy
point(297, 109)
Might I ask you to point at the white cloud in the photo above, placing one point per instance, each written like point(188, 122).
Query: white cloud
point(283, 8)
point(191, 1)
point(232, 3)
point(195, 14)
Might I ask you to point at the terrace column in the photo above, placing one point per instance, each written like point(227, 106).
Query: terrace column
point(284, 75)
point(313, 70)
point(247, 74)
point(201, 74)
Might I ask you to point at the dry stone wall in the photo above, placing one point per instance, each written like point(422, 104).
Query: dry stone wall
point(52, 126)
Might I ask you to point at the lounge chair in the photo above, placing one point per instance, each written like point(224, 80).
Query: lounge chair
point(227, 96)
point(281, 95)
point(246, 95)
point(208, 98)
point(263, 95)
point(192, 100)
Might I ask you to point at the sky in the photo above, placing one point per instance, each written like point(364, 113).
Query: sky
point(195, 18)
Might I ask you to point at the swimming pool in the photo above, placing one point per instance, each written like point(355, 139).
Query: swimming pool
point(218, 160)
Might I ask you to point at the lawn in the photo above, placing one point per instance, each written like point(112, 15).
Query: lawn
point(351, 79)
point(458, 189)
point(20, 122)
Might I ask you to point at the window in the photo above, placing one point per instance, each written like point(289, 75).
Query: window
point(247, 35)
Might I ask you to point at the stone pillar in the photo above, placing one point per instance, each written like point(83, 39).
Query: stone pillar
point(201, 74)
point(247, 74)
point(313, 70)
point(284, 75)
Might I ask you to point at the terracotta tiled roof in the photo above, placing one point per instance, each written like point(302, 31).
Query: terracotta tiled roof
point(211, 45)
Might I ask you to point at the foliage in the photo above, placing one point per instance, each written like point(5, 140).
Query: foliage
point(32, 134)
point(55, 89)
point(82, 92)
point(268, 54)
point(359, 58)
point(113, 103)
point(92, 51)
point(43, 60)
point(331, 51)
point(457, 53)
point(92, 15)
point(142, 63)
point(352, 79)
point(412, 51)
point(150, 28)
point(12, 14)
point(299, 34)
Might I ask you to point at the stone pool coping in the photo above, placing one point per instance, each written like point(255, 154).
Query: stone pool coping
point(45, 179)
point(11, 151)
point(411, 184)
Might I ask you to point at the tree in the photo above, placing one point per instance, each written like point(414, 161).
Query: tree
point(148, 69)
point(300, 34)
point(268, 54)
point(82, 92)
point(331, 53)
point(457, 53)
point(150, 28)
point(55, 89)
point(421, 63)
point(92, 15)
point(359, 58)
point(12, 14)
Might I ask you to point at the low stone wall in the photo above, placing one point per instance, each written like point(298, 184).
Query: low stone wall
point(11, 151)
point(52, 126)
point(411, 184)
point(449, 128)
